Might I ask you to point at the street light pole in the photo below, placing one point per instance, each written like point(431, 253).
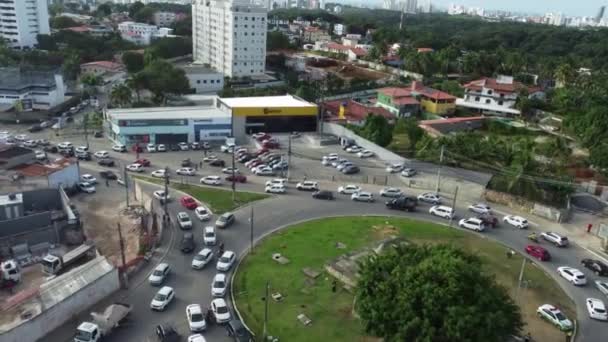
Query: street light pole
point(166, 201)
point(439, 169)
point(453, 206)
point(251, 230)
point(521, 278)
point(266, 311)
point(124, 172)
point(233, 176)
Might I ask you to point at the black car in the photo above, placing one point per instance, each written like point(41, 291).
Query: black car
point(237, 330)
point(187, 244)
point(84, 156)
point(245, 158)
point(167, 333)
point(106, 162)
point(598, 267)
point(174, 147)
point(488, 219)
point(323, 194)
point(35, 128)
point(218, 162)
point(187, 163)
point(50, 149)
point(98, 134)
point(350, 170)
point(108, 175)
point(403, 203)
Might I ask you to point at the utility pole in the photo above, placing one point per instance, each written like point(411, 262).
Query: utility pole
point(166, 201)
point(439, 169)
point(266, 311)
point(453, 206)
point(124, 172)
point(122, 246)
point(85, 119)
point(251, 230)
point(521, 278)
point(320, 98)
point(233, 176)
point(289, 157)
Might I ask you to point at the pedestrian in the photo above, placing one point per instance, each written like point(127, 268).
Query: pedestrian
point(200, 164)
point(589, 226)
point(107, 183)
point(334, 284)
point(196, 167)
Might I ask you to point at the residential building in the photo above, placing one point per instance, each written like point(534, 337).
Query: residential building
point(21, 21)
point(230, 36)
point(313, 34)
point(164, 19)
point(432, 100)
point(140, 33)
point(32, 89)
point(204, 80)
point(339, 29)
point(410, 100)
point(399, 101)
point(352, 112)
point(439, 127)
point(352, 53)
point(100, 68)
point(350, 41)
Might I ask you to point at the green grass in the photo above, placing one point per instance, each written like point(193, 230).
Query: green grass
point(219, 200)
point(312, 244)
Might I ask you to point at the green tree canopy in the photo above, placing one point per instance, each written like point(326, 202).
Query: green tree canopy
point(377, 129)
point(170, 47)
point(135, 7)
point(133, 61)
point(276, 40)
point(121, 95)
point(145, 15)
point(63, 22)
point(163, 79)
point(104, 10)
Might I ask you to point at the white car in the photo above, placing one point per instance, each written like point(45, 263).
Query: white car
point(160, 273)
point(196, 318)
point(275, 189)
point(30, 143)
point(219, 286)
point(82, 149)
point(516, 221)
point(161, 148)
point(480, 208)
point(184, 221)
point(151, 148)
point(227, 148)
point(327, 161)
point(596, 309)
point(308, 185)
point(256, 167)
point(349, 189)
point(186, 171)
point(362, 196)
point(183, 146)
point(158, 173)
point(88, 178)
point(161, 195)
point(337, 162)
point(344, 165)
point(210, 158)
point(101, 154)
point(40, 155)
point(225, 262)
point(86, 187)
point(209, 236)
point(430, 197)
point(277, 181)
point(21, 137)
point(264, 171)
point(365, 154)
point(64, 145)
point(473, 224)
point(211, 180)
point(119, 148)
point(163, 297)
point(554, 238)
point(202, 213)
point(135, 167)
point(354, 149)
point(220, 310)
point(202, 258)
point(196, 338)
point(572, 275)
point(394, 168)
point(602, 286)
point(408, 172)
point(391, 192)
point(442, 211)
point(229, 170)
point(554, 316)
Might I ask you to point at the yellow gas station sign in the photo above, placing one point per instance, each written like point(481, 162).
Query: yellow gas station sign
point(275, 111)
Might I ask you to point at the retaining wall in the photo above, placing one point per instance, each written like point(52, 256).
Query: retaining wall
point(521, 204)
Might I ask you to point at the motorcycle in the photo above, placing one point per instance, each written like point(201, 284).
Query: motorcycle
point(534, 237)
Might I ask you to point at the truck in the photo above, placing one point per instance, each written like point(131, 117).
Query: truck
point(102, 324)
point(10, 274)
point(54, 265)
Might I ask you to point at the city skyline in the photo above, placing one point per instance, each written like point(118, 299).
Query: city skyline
point(569, 8)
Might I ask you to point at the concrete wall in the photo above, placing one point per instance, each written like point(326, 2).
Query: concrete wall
point(381, 152)
point(66, 177)
point(522, 204)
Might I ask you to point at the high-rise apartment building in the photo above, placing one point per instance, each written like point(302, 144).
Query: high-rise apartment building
point(230, 36)
point(410, 6)
point(22, 20)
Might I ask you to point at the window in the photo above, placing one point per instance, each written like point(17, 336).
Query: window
point(252, 71)
point(205, 81)
point(198, 81)
point(488, 101)
point(502, 95)
point(500, 103)
point(477, 98)
point(218, 81)
point(489, 91)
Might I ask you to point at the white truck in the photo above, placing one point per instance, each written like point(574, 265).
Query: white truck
point(10, 273)
point(53, 264)
point(102, 324)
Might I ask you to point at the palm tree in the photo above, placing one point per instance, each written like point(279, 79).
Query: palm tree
point(137, 82)
point(121, 95)
point(564, 74)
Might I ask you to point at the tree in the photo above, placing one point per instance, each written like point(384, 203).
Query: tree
point(63, 22)
point(90, 82)
point(71, 66)
point(145, 15)
point(276, 40)
point(46, 42)
point(183, 27)
point(170, 47)
point(377, 130)
point(410, 127)
point(137, 82)
point(433, 293)
point(120, 95)
point(104, 10)
point(306, 92)
point(133, 61)
point(564, 74)
point(134, 8)
point(163, 79)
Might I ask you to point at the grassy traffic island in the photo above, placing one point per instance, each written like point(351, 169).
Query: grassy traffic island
point(299, 282)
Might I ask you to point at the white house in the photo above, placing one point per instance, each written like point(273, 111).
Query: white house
point(140, 33)
point(204, 80)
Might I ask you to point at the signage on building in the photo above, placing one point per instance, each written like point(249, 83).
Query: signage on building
point(146, 123)
point(275, 111)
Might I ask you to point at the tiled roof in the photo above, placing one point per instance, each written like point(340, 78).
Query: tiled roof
point(405, 100)
point(430, 92)
point(492, 83)
point(103, 64)
point(395, 92)
point(359, 51)
point(355, 111)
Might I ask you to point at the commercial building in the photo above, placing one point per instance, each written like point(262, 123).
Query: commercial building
point(31, 89)
point(204, 80)
point(229, 36)
point(21, 21)
point(140, 33)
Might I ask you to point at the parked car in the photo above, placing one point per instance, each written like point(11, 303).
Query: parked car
point(538, 252)
point(160, 273)
point(307, 186)
point(161, 148)
point(187, 243)
point(430, 197)
point(596, 309)
point(151, 148)
point(555, 317)
point(225, 262)
point(472, 223)
point(598, 267)
point(202, 258)
point(238, 332)
point(162, 299)
point(183, 146)
point(572, 275)
point(556, 239)
point(516, 221)
point(119, 148)
point(86, 187)
point(323, 194)
point(188, 202)
point(88, 178)
point(225, 220)
point(403, 203)
point(264, 171)
point(196, 318)
point(442, 211)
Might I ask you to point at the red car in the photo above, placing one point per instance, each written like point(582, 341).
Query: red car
point(270, 144)
point(260, 152)
point(188, 202)
point(262, 136)
point(237, 178)
point(143, 162)
point(538, 252)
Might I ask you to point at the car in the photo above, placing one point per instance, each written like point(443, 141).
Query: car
point(106, 162)
point(81, 149)
point(43, 142)
point(167, 333)
point(403, 203)
point(161, 148)
point(307, 186)
point(151, 148)
point(281, 165)
point(323, 195)
point(602, 286)
point(210, 158)
point(391, 192)
point(225, 262)
point(338, 161)
point(489, 219)
point(598, 267)
point(202, 213)
point(225, 220)
point(202, 258)
point(84, 155)
point(119, 148)
point(86, 187)
point(442, 211)
point(183, 146)
point(40, 155)
point(185, 171)
point(101, 154)
point(362, 196)
point(211, 180)
point(237, 178)
point(408, 172)
point(264, 171)
point(50, 149)
point(21, 137)
point(184, 221)
point(135, 167)
point(107, 174)
point(230, 170)
point(430, 197)
point(159, 173)
point(554, 316)
point(516, 221)
point(572, 275)
point(238, 332)
point(196, 318)
point(161, 195)
point(209, 236)
point(67, 153)
point(556, 239)
point(220, 310)
point(538, 252)
point(348, 189)
point(162, 299)
point(217, 162)
point(354, 149)
point(365, 154)
point(143, 162)
point(350, 170)
point(327, 160)
point(30, 143)
point(62, 146)
point(195, 146)
point(253, 162)
point(270, 144)
point(596, 309)
point(160, 273)
point(187, 243)
point(275, 189)
point(344, 165)
point(88, 178)
point(219, 285)
point(281, 181)
point(227, 148)
point(35, 128)
point(394, 168)
point(188, 202)
point(472, 223)
point(260, 136)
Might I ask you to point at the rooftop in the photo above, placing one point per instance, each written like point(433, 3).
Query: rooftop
point(198, 69)
point(395, 91)
point(187, 112)
point(266, 101)
point(488, 107)
point(38, 170)
point(418, 87)
point(104, 64)
point(355, 111)
point(11, 151)
point(501, 84)
point(16, 78)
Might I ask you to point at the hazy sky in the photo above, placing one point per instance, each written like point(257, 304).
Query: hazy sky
point(568, 7)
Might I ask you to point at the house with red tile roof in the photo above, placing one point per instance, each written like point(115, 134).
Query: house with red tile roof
point(355, 113)
point(352, 53)
point(439, 127)
point(410, 100)
point(313, 34)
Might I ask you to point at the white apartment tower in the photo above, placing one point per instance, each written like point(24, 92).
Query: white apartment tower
point(230, 36)
point(22, 20)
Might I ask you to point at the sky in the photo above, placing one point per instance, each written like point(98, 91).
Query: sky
point(567, 7)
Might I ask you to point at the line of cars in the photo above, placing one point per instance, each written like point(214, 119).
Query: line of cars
point(343, 165)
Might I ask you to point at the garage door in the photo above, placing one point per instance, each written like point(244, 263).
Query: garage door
point(171, 139)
